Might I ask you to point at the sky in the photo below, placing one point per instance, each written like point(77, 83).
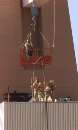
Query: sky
point(73, 11)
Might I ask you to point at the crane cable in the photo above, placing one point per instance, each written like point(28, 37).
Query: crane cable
point(54, 23)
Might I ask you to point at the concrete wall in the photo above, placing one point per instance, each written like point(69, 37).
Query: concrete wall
point(10, 38)
point(63, 70)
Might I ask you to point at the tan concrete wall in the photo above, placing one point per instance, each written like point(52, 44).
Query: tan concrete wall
point(10, 38)
point(63, 70)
